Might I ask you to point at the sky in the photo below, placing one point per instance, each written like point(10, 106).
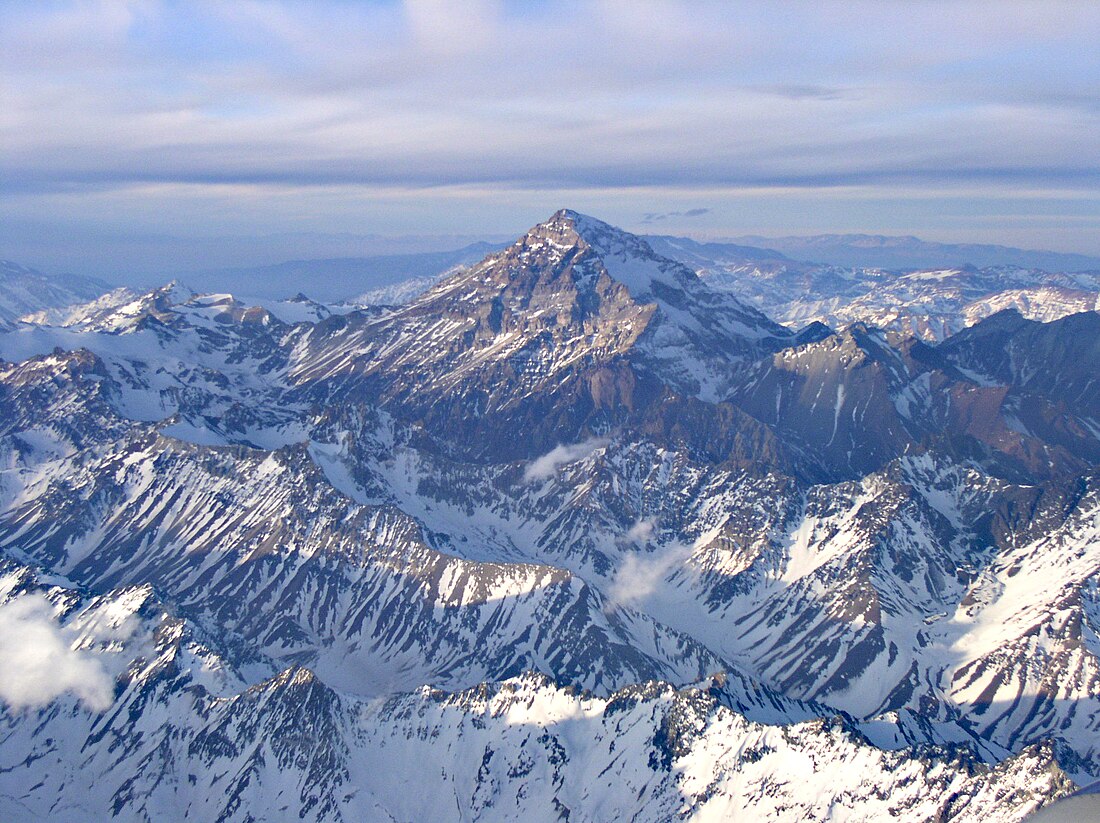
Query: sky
point(172, 135)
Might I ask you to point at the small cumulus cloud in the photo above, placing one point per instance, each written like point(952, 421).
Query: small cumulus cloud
point(40, 662)
point(639, 575)
point(544, 467)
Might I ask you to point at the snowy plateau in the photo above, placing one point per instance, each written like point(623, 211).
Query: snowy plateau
point(599, 528)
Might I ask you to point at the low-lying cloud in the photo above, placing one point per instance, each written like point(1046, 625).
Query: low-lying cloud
point(641, 532)
point(640, 574)
point(543, 468)
point(39, 663)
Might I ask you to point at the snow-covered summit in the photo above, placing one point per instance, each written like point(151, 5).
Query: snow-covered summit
point(649, 277)
point(576, 321)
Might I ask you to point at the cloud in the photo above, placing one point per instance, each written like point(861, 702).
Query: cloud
point(445, 28)
point(429, 93)
point(639, 574)
point(805, 91)
point(653, 217)
point(544, 467)
point(38, 662)
point(670, 102)
point(641, 532)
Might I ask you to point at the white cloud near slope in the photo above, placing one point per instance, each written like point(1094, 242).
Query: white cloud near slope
point(38, 663)
point(642, 569)
point(544, 467)
point(640, 574)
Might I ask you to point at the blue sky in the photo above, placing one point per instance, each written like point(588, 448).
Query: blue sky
point(158, 134)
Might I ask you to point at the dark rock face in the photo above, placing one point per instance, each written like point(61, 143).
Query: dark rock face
point(629, 524)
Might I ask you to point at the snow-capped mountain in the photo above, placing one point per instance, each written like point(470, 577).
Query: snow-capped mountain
point(169, 728)
point(929, 304)
point(573, 535)
point(577, 324)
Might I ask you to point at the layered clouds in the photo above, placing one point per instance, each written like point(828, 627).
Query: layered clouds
point(439, 117)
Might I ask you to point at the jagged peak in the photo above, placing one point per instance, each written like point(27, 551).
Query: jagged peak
point(577, 286)
point(588, 249)
point(567, 243)
point(171, 293)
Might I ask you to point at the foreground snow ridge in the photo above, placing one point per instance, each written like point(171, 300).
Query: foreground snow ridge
point(186, 744)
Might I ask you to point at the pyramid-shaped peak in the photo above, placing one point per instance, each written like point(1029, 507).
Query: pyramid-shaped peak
point(590, 229)
point(561, 225)
point(567, 229)
point(567, 217)
point(588, 248)
point(579, 221)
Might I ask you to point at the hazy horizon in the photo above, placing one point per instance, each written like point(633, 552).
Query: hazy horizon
point(147, 261)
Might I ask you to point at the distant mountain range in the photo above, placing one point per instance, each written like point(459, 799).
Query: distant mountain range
point(333, 279)
point(930, 304)
point(24, 290)
point(886, 252)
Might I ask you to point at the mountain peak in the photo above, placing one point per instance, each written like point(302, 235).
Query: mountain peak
point(568, 229)
point(591, 230)
point(570, 217)
point(626, 258)
point(574, 289)
point(587, 227)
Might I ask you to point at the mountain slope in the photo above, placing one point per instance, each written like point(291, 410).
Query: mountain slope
point(187, 739)
point(577, 325)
